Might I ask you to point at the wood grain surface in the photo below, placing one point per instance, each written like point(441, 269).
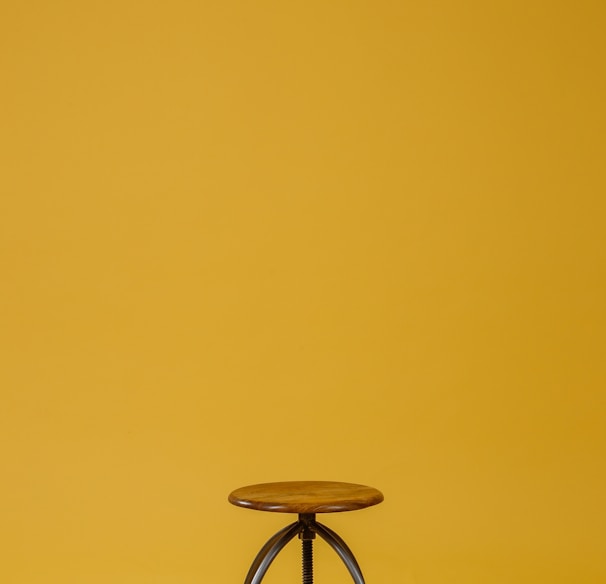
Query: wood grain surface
point(306, 497)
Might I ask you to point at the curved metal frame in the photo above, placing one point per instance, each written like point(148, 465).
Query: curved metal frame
point(337, 544)
point(269, 551)
point(303, 526)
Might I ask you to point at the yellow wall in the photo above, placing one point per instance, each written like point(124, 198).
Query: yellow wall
point(255, 241)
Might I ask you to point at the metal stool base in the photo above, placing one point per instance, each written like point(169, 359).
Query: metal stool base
point(306, 528)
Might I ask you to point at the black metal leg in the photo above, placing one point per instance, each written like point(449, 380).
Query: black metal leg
point(337, 544)
point(306, 527)
point(269, 551)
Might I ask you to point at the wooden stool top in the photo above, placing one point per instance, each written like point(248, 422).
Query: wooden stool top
point(306, 497)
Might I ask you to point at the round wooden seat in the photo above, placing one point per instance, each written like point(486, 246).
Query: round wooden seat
point(306, 497)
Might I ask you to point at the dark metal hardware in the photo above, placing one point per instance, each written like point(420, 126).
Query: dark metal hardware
point(306, 528)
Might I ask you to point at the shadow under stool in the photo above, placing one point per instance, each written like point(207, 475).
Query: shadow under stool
point(306, 498)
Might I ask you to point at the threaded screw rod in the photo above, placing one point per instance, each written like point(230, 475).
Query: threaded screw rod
point(307, 522)
point(308, 561)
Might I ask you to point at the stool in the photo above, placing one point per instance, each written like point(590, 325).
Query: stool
point(305, 498)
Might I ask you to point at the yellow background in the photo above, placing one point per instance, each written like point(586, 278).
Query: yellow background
point(256, 241)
